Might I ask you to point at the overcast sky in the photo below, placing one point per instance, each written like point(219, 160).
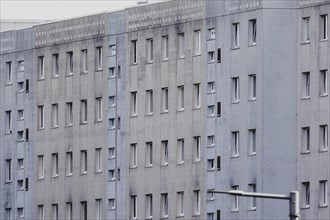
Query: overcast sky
point(50, 9)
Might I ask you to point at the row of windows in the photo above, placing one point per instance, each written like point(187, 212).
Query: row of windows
point(306, 84)
point(323, 139)
point(322, 194)
point(9, 71)
point(306, 28)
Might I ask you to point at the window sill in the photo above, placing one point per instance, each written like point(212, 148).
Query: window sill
point(180, 163)
point(98, 121)
point(211, 170)
point(252, 44)
point(8, 84)
point(197, 55)
point(180, 110)
point(112, 106)
point(42, 128)
point(323, 206)
point(210, 62)
point(149, 62)
point(323, 150)
point(235, 210)
point(212, 92)
point(210, 116)
point(8, 182)
point(235, 48)
point(252, 154)
point(235, 102)
point(133, 64)
point(197, 108)
point(323, 95)
point(83, 173)
point(164, 164)
point(55, 176)
point(306, 98)
point(211, 146)
point(83, 72)
point(69, 125)
point(180, 216)
point(164, 217)
point(135, 167)
point(252, 99)
point(41, 79)
point(149, 114)
point(148, 218)
point(83, 123)
point(180, 58)
point(18, 141)
point(112, 128)
point(252, 209)
point(149, 166)
point(111, 180)
point(197, 161)
point(69, 175)
point(165, 60)
point(21, 91)
point(41, 178)
point(98, 172)
point(98, 70)
point(164, 112)
point(306, 42)
point(9, 133)
point(306, 207)
point(134, 116)
point(20, 119)
point(324, 40)
point(55, 77)
point(234, 157)
point(69, 74)
point(20, 189)
point(54, 127)
point(305, 152)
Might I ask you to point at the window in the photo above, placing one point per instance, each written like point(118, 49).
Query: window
point(165, 48)
point(150, 50)
point(252, 32)
point(219, 55)
point(211, 111)
point(20, 163)
point(69, 163)
point(323, 27)
point(210, 87)
point(98, 160)
point(235, 144)
point(197, 202)
point(210, 165)
point(133, 207)
point(180, 151)
point(211, 141)
point(305, 139)
point(164, 206)
point(252, 87)
point(305, 197)
point(41, 213)
point(210, 57)
point(20, 212)
point(41, 67)
point(180, 98)
point(149, 102)
point(323, 82)
point(306, 85)
point(133, 103)
point(134, 59)
point(197, 148)
point(41, 167)
point(112, 101)
point(252, 142)
point(20, 136)
point(133, 156)
point(8, 171)
point(323, 195)
point(235, 35)
point(164, 99)
point(98, 110)
point(235, 89)
point(324, 140)
point(212, 33)
point(218, 163)
point(111, 72)
point(306, 30)
point(112, 153)
point(148, 206)
point(9, 73)
point(83, 111)
point(83, 210)
point(112, 124)
point(112, 204)
point(41, 124)
point(69, 114)
point(55, 165)
point(179, 204)
point(112, 50)
point(54, 115)
point(26, 184)
point(149, 154)
point(8, 123)
point(210, 216)
point(98, 209)
point(181, 45)
point(20, 87)
point(55, 65)
point(69, 63)
point(234, 201)
point(253, 200)
point(84, 61)
point(197, 42)
point(27, 86)
point(98, 58)
point(83, 162)
point(20, 114)
point(54, 211)
point(68, 210)
point(218, 109)
point(20, 66)
point(112, 175)
point(164, 155)
point(197, 95)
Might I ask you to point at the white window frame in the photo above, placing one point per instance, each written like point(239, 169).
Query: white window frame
point(149, 154)
point(55, 115)
point(197, 202)
point(197, 96)
point(305, 196)
point(8, 122)
point(150, 50)
point(112, 50)
point(69, 163)
point(324, 27)
point(324, 138)
point(133, 207)
point(149, 206)
point(83, 162)
point(164, 100)
point(180, 204)
point(133, 155)
point(98, 58)
point(210, 57)
point(253, 200)
point(212, 33)
point(20, 163)
point(164, 206)
point(69, 63)
point(252, 32)
point(83, 111)
point(41, 167)
point(20, 212)
point(252, 141)
point(41, 117)
point(235, 144)
point(41, 212)
point(111, 123)
point(164, 153)
point(252, 87)
point(323, 193)
point(235, 35)
point(54, 211)
point(211, 111)
point(235, 90)
point(9, 73)
point(197, 42)
point(180, 151)
point(306, 139)
point(112, 101)
point(98, 209)
point(54, 162)
point(134, 103)
point(306, 32)
point(68, 210)
point(324, 82)
point(98, 160)
point(149, 102)
point(181, 46)
point(8, 173)
point(84, 61)
point(235, 200)
point(41, 67)
point(181, 100)
point(211, 141)
point(69, 114)
point(306, 85)
point(20, 114)
point(210, 164)
point(134, 52)
point(197, 149)
point(98, 109)
point(211, 87)
point(55, 65)
point(165, 48)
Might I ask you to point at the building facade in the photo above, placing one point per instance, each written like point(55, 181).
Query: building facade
point(135, 114)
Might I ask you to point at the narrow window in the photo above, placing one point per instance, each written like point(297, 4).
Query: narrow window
point(219, 55)
point(133, 207)
point(252, 142)
point(180, 98)
point(20, 136)
point(8, 122)
point(84, 61)
point(235, 35)
point(111, 123)
point(26, 134)
point(164, 157)
point(54, 211)
point(133, 156)
point(149, 102)
point(69, 163)
point(9, 73)
point(164, 99)
point(27, 86)
point(181, 45)
point(112, 101)
point(54, 115)
point(112, 175)
point(306, 85)
point(324, 27)
point(150, 50)
point(112, 153)
point(197, 42)
point(179, 204)
point(98, 58)
point(20, 163)
point(134, 52)
point(164, 206)
point(218, 163)
point(41, 212)
point(252, 87)
point(306, 30)
point(211, 87)
point(133, 103)
point(69, 114)
point(180, 151)
point(41, 67)
point(210, 216)
point(305, 197)
point(20, 87)
point(219, 109)
point(210, 165)
point(20, 212)
point(69, 63)
point(235, 144)
point(41, 116)
point(98, 110)
point(111, 73)
point(252, 32)
point(83, 162)
point(324, 141)
point(83, 210)
point(83, 111)
point(305, 139)
point(20, 114)
point(211, 141)
point(253, 200)
point(20, 66)
point(8, 170)
point(98, 209)
point(212, 33)
point(55, 165)
point(112, 50)
point(40, 166)
point(211, 57)
point(235, 89)
point(197, 148)
point(211, 111)
point(323, 82)
point(149, 154)
point(323, 193)
point(148, 206)
point(197, 202)
point(55, 65)
point(197, 99)
point(218, 214)
point(234, 202)
point(165, 48)
point(26, 184)
point(98, 160)
point(69, 211)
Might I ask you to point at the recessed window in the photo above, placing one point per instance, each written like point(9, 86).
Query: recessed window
point(306, 30)
point(218, 163)
point(68, 210)
point(98, 209)
point(165, 47)
point(98, 58)
point(180, 151)
point(235, 144)
point(150, 50)
point(41, 213)
point(211, 57)
point(180, 98)
point(252, 143)
point(211, 32)
point(235, 35)
point(253, 200)
point(111, 123)
point(180, 204)
point(323, 193)
point(83, 111)
point(197, 96)
point(210, 216)
point(197, 149)
point(8, 173)
point(210, 87)
point(235, 89)
point(305, 139)
point(210, 165)
point(54, 211)
point(112, 50)
point(98, 109)
point(149, 154)
point(9, 73)
point(164, 205)
point(324, 138)
point(252, 32)
point(306, 85)
point(324, 27)
point(197, 202)
point(55, 165)
point(112, 153)
point(41, 67)
point(20, 66)
point(164, 152)
point(149, 207)
point(149, 102)
point(112, 101)
point(252, 87)
point(211, 141)
point(181, 45)
point(111, 72)
point(27, 85)
point(54, 115)
point(84, 61)
point(20, 136)
point(20, 163)
point(305, 195)
point(55, 65)
point(218, 109)
point(164, 99)
point(323, 82)
point(69, 63)
point(134, 59)
point(83, 162)
point(41, 116)
point(20, 212)
point(40, 167)
point(98, 160)
point(133, 103)
point(133, 207)
point(20, 86)
point(219, 55)
point(211, 111)
point(112, 175)
point(69, 164)
point(197, 42)
point(133, 155)
point(69, 114)
point(8, 122)
point(83, 210)
point(234, 200)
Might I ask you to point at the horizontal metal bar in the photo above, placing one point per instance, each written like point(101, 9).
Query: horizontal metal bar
point(252, 194)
